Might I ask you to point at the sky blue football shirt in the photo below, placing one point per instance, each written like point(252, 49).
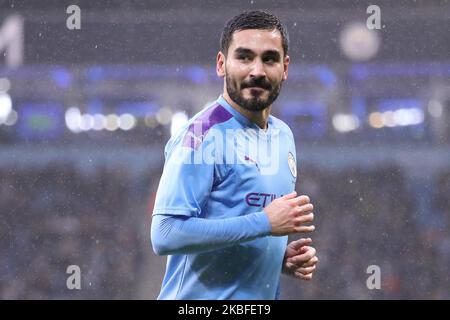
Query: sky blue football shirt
point(218, 166)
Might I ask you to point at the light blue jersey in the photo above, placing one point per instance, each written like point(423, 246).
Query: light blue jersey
point(221, 170)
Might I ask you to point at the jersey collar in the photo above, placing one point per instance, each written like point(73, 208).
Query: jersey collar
point(241, 118)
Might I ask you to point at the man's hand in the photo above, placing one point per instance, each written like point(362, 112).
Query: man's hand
point(289, 213)
point(300, 259)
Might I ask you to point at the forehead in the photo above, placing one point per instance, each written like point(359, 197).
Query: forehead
point(257, 40)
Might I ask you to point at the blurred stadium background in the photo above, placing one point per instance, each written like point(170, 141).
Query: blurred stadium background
point(85, 115)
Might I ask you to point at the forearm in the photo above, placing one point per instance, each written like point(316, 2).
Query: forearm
point(183, 235)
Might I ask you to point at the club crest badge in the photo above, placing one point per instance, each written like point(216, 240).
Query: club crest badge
point(292, 164)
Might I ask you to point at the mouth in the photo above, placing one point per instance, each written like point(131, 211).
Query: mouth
point(256, 88)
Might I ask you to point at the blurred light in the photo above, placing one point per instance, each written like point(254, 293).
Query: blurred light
point(179, 119)
point(150, 121)
point(164, 115)
point(127, 121)
point(5, 106)
point(388, 119)
point(435, 108)
point(408, 117)
point(77, 122)
point(375, 120)
point(358, 42)
point(73, 119)
point(197, 74)
point(112, 122)
point(96, 73)
point(62, 78)
point(345, 122)
point(417, 116)
point(5, 84)
point(87, 122)
point(99, 122)
point(325, 75)
point(400, 117)
point(12, 118)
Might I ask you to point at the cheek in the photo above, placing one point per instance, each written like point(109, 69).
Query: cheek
point(238, 70)
point(243, 69)
point(277, 79)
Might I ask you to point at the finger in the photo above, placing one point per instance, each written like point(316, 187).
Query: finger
point(300, 200)
point(302, 258)
point(304, 229)
point(291, 266)
point(311, 250)
point(306, 208)
point(303, 249)
point(311, 262)
point(303, 277)
point(288, 196)
point(304, 219)
point(305, 271)
point(297, 244)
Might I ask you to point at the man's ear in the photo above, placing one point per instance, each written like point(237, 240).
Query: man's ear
point(220, 64)
point(286, 61)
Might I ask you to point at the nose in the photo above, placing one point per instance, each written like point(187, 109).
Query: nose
point(257, 69)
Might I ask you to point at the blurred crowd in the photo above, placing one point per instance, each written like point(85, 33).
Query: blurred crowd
point(370, 218)
point(58, 216)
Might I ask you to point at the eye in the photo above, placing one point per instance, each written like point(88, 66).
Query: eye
point(270, 60)
point(244, 58)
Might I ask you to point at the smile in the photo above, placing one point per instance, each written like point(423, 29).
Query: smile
point(255, 88)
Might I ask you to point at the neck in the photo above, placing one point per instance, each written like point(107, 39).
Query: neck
point(260, 118)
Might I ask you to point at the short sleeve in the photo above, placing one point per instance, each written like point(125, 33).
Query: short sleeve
point(187, 178)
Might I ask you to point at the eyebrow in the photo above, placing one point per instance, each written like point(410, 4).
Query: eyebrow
point(241, 50)
point(268, 53)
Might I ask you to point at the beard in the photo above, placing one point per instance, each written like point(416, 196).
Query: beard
point(255, 102)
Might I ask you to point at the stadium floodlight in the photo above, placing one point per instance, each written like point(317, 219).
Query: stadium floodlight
point(12, 118)
point(5, 106)
point(164, 115)
point(389, 119)
point(417, 116)
point(99, 122)
point(5, 84)
point(345, 122)
point(87, 122)
point(127, 121)
point(435, 108)
point(376, 120)
point(112, 122)
point(73, 119)
point(358, 42)
point(179, 119)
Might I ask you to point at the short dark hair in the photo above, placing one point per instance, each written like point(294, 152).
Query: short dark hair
point(253, 20)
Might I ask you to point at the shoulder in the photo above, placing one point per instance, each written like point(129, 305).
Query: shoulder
point(197, 130)
point(282, 126)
